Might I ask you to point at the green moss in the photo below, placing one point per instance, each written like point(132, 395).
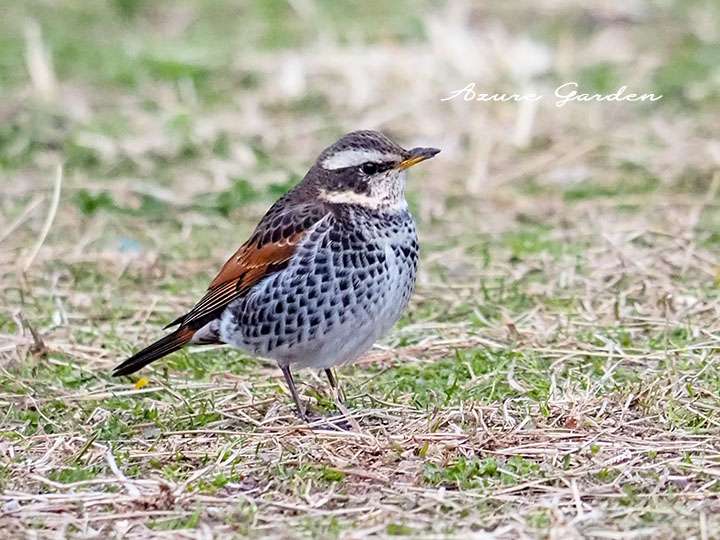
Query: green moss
point(464, 473)
point(69, 475)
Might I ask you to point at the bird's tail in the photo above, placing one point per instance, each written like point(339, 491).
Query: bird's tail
point(162, 347)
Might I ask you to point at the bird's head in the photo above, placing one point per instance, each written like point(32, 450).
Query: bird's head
point(365, 168)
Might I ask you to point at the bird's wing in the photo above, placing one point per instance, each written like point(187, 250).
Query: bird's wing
point(268, 250)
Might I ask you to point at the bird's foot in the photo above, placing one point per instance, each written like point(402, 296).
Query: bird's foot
point(336, 422)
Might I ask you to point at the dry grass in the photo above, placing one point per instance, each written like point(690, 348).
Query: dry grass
point(556, 375)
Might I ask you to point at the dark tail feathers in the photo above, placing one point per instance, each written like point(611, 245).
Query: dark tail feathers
point(164, 346)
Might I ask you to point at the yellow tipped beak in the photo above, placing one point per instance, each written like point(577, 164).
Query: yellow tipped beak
point(416, 155)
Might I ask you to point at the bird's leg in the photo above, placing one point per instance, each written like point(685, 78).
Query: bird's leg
point(346, 421)
point(339, 394)
point(293, 391)
point(331, 378)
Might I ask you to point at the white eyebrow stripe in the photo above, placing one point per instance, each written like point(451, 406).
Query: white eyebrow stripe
point(355, 156)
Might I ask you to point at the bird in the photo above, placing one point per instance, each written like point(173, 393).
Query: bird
point(328, 270)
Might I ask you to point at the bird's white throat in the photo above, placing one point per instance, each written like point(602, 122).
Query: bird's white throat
point(374, 201)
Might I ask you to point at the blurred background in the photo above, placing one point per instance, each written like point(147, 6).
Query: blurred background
point(201, 106)
point(567, 300)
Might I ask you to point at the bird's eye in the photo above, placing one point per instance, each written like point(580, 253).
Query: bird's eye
point(369, 168)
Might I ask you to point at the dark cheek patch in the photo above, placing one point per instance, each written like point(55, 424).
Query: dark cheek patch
point(361, 187)
point(351, 181)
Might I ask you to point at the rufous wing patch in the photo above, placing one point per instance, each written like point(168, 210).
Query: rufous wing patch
point(248, 265)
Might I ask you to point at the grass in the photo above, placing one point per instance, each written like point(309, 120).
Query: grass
point(555, 375)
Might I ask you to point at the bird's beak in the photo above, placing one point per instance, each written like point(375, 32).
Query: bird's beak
point(416, 155)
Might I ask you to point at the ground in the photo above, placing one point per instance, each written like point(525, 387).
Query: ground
point(555, 375)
